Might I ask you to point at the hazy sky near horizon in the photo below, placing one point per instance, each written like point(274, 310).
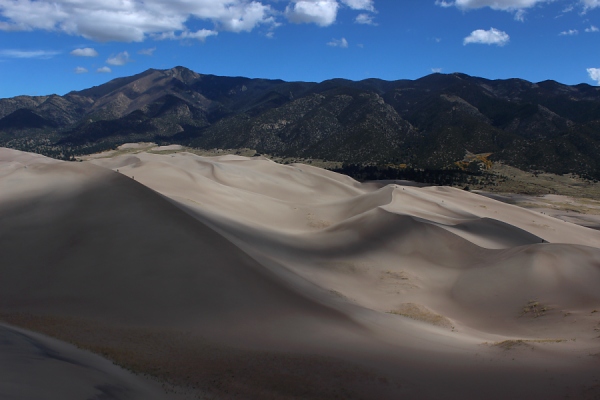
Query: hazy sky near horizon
point(55, 46)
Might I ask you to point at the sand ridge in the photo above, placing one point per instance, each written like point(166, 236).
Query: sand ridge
point(399, 286)
point(35, 366)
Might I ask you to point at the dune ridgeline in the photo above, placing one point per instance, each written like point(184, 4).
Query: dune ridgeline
point(239, 278)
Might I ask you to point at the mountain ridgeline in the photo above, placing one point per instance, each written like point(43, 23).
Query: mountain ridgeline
point(426, 123)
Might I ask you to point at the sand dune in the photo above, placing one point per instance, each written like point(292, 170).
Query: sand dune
point(241, 278)
point(35, 366)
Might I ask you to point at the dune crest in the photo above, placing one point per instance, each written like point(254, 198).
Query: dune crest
point(236, 259)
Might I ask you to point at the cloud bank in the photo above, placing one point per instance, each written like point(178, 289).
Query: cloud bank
point(137, 20)
point(131, 20)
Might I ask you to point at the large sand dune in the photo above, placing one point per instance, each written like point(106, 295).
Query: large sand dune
point(38, 367)
point(233, 277)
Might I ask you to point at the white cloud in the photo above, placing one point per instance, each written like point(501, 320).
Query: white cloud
point(516, 6)
point(201, 35)
point(147, 52)
point(131, 20)
point(119, 59)
point(520, 15)
point(594, 74)
point(360, 4)
point(592, 29)
point(42, 54)
point(443, 3)
point(365, 19)
point(343, 43)
point(570, 32)
point(504, 5)
point(436, 70)
point(493, 36)
point(245, 18)
point(85, 52)
point(81, 70)
point(320, 12)
point(589, 4)
point(104, 70)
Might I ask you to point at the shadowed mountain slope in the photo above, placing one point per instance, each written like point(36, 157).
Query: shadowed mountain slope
point(427, 123)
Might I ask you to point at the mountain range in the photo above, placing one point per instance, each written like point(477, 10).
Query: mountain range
point(431, 122)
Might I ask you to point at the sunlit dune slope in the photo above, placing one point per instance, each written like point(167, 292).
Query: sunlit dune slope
point(101, 244)
point(249, 279)
point(306, 218)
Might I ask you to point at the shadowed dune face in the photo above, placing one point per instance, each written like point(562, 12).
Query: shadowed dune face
point(254, 266)
point(562, 277)
point(34, 367)
point(110, 247)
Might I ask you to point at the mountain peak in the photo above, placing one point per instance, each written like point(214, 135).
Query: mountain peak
point(183, 74)
point(427, 123)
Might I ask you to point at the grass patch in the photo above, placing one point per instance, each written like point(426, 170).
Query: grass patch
point(402, 275)
point(535, 309)
point(512, 343)
point(421, 313)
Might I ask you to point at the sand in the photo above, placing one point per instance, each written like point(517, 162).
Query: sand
point(35, 366)
point(236, 277)
point(582, 211)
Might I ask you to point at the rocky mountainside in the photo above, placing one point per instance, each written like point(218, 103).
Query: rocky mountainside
point(431, 122)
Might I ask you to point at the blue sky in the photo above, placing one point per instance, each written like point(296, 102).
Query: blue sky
point(55, 46)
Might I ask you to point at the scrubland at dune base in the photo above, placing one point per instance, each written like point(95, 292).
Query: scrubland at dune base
point(236, 277)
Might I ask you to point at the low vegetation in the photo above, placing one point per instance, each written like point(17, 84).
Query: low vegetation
point(513, 343)
point(535, 309)
point(418, 127)
point(421, 313)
